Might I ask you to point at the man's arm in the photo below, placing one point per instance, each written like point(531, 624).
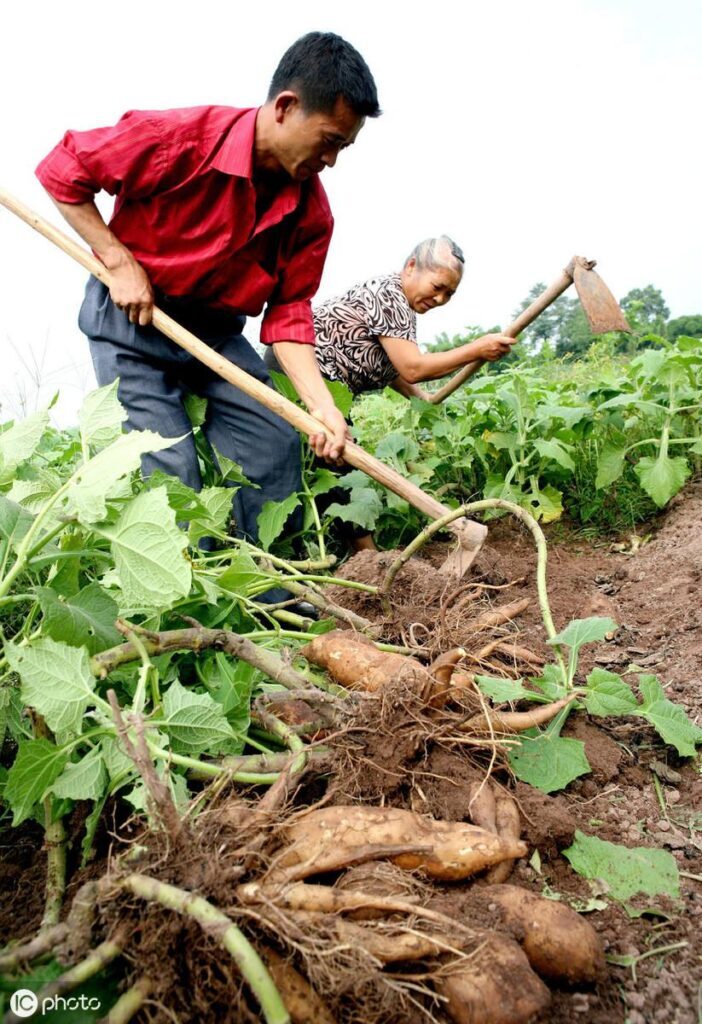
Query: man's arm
point(131, 289)
point(300, 364)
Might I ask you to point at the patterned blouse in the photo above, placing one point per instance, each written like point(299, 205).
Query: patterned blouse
point(348, 331)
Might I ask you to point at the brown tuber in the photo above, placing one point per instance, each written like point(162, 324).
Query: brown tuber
point(495, 985)
point(330, 838)
point(558, 942)
point(358, 665)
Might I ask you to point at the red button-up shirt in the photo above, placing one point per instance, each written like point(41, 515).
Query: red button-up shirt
point(186, 209)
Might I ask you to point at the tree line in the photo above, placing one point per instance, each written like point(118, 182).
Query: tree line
point(562, 330)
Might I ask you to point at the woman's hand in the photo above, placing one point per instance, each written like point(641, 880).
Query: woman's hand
point(491, 347)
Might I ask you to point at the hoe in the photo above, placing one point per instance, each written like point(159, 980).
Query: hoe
point(601, 309)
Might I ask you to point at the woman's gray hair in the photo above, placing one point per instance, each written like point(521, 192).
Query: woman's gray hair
point(437, 252)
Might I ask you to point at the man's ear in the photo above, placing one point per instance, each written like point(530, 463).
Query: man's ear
point(285, 103)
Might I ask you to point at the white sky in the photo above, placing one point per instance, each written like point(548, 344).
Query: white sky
point(529, 131)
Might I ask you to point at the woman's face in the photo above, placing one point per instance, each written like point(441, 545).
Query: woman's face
point(426, 289)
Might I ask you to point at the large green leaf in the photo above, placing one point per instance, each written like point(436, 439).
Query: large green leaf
point(548, 761)
point(662, 477)
point(608, 694)
point(149, 552)
point(195, 722)
point(668, 719)
point(584, 631)
point(556, 451)
point(85, 620)
point(37, 765)
point(56, 681)
point(626, 870)
point(273, 517)
point(610, 466)
point(95, 481)
point(82, 780)
point(363, 509)
point(33, 494)
point(101, 417)
point(19, 442)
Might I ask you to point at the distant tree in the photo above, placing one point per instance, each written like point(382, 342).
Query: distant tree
point(691, 326)
point(645, 309)
point(575, 336)
point(548, 326)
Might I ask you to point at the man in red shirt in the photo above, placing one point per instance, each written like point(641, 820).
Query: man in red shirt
point(219, 211)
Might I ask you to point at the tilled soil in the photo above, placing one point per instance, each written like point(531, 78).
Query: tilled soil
point(640, 793)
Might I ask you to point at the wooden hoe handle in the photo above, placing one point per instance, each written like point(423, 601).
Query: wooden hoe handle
point(526, 317)
point(471, 534)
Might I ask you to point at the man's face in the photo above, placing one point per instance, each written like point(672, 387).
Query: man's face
point(307, 143)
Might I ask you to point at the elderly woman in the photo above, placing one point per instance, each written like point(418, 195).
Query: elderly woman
point(367, 338)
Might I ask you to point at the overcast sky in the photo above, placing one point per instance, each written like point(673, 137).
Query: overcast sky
point(527, 131)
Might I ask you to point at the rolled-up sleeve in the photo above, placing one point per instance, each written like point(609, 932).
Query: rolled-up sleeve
point(129, 157)
point(288, 315)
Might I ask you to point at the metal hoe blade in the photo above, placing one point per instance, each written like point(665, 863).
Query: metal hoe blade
point(601, 308)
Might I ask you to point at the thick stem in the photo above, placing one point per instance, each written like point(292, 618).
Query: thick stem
point(129, 1002)
point(217, 925)
point(55, 840)
point(199, 638)
point(44, 942)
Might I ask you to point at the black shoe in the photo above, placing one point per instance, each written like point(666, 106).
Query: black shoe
point(305, 609)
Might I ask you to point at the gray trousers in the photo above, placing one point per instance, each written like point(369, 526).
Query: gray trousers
point(155, 374)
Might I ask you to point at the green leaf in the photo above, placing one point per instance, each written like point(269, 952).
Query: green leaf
point(608, 694)
point(231, 472)
point(56, 681)
point(101, 417)
point(34, 494)
point(14, 522)
point(194, 721)
point(83, 780)
point(119, 766)
point(273, 517)
point(662, 477)
point(322, 482)
point(584, 631)
point(37, 765)
point(668, 719)
point(95, 481)
point(285, 386)
point(149, 552)
point(19, 442)
point(363, 509)
point(554, 450)
point(626, 870)
point(548, 761)
point(242, 576)
point(546, 504)
point(184, 501)
point(217, 505)
point(502, 690)
point(551, 683)
point(195, 408)
point(610, 466)
point(86, 619)
point(343, 397)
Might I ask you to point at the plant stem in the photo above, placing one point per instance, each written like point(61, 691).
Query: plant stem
point(96, 960)
point(44, 942)
point(55, 840)
point(26, 545)
point(217, 925)
point(129, 1002)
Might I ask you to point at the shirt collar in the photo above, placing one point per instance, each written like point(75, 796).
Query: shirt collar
point(235, 155)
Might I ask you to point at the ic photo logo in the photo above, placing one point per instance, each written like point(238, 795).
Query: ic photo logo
point(23, 1003)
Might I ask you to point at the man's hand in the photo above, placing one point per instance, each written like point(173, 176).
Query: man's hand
point(300, 364)
point(131, 289)
point(330, 446)
point(492, 346)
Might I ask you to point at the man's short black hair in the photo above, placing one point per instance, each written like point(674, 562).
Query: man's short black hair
point(321, 67)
